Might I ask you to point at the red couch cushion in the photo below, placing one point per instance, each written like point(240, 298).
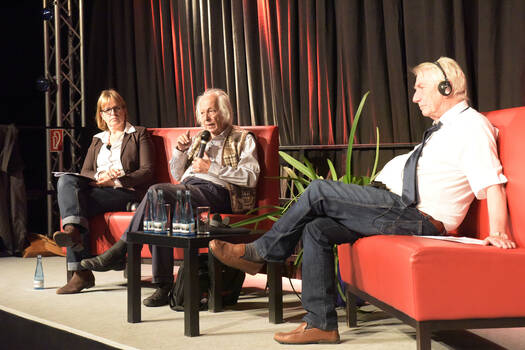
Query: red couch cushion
point(431, 280)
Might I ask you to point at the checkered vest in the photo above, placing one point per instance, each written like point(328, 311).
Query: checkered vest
point(242, 198)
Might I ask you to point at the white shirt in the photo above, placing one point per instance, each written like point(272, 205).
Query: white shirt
point(109, 158)
point(458, 162)
point(246, 173)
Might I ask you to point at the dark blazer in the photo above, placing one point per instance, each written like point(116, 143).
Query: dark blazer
point(137, 157)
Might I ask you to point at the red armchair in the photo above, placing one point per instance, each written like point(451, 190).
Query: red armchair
point(438, 285)
point(106, 229)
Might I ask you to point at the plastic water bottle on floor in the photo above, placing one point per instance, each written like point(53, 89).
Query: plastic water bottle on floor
point(38, 280)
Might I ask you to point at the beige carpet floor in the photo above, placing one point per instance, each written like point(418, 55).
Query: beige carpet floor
point(99, 313)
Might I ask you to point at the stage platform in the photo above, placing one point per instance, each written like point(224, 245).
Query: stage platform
point(97, 318)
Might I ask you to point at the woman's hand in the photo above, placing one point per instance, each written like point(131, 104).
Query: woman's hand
point(115, 173)
point(104, 183)
point(106, 178)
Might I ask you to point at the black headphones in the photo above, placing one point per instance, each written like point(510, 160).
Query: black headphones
point(444, 87)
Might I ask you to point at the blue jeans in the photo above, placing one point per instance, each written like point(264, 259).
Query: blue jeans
point(78, 201)
point(203, 193)
point(329, 213)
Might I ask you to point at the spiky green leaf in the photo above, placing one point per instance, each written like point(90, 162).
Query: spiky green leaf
point(298, 165)
point(332, 169)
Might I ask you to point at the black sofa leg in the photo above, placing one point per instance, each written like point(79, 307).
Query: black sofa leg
point(423, 338)
point(351, 309)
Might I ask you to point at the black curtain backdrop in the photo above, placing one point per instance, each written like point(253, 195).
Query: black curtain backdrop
point(302, 65)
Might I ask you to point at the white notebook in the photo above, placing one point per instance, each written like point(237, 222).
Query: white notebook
point(60, 173)
point(465, 240)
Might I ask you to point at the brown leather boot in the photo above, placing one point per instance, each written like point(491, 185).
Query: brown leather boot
point(69, 237)
point(112, 259)
point(80, 280)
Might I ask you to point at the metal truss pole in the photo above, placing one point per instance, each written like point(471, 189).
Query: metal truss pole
point(64, 100)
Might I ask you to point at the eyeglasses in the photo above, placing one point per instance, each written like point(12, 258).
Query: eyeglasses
point(111, 110)
point(211, 111)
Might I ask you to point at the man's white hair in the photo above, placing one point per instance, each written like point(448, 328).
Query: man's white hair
point(223, 102)
point(454, 73)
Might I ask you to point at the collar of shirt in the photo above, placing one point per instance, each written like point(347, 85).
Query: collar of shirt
point(104, 135)
point(215, 147)
point(450, 115)
point(223, 134)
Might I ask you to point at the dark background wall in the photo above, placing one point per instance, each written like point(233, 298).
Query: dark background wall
point(302, 65)
point(22, 62)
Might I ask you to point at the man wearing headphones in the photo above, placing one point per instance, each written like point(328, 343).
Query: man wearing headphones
point(425, 192)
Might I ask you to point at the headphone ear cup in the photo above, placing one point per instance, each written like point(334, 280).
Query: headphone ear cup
point(445, 88)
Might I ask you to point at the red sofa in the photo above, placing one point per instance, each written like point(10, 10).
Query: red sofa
point(440, 285)
point(106, 229)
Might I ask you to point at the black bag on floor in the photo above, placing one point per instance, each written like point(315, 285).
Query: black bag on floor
point(232, 280)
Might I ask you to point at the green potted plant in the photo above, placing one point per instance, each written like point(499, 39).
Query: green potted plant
point(305, 173)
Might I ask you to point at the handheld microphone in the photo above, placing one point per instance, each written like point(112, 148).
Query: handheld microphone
point(205, 137)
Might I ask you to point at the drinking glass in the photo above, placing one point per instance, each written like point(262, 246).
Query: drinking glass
point(203, 220)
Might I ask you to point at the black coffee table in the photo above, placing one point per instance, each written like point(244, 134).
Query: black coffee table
point(191, 247)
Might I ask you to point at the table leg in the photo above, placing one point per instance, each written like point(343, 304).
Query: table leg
point(215, 273)
point(192, 293)
point(134, 282)
point(275, 285)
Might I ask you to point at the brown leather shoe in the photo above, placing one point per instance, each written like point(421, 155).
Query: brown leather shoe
point(80, 280)
point(69, 237)
point(304, 335)
point(231, 255)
